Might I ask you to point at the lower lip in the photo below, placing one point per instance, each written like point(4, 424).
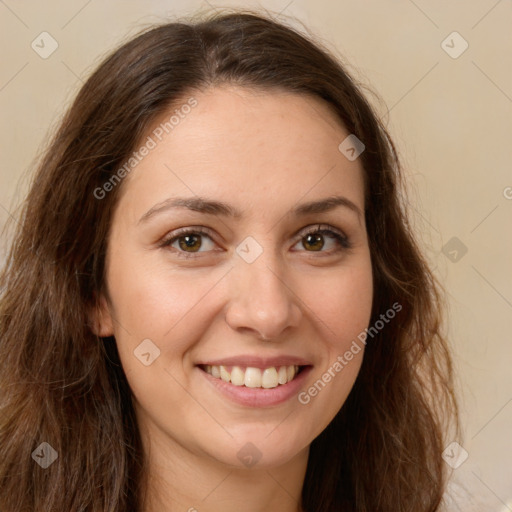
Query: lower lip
point(259, 397)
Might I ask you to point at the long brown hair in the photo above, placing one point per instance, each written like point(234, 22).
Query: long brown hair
point(61, 384)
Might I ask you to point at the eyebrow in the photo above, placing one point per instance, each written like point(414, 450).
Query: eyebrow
point(212, 207)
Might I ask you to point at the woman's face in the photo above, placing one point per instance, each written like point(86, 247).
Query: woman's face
point(211, 324)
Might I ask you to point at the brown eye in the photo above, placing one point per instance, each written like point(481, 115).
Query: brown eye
point(314, 241)
point(187, 242)
point(321, 237)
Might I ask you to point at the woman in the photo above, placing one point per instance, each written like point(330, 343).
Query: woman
point(214, 300)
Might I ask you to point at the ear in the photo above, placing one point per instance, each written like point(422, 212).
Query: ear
point(100, 318)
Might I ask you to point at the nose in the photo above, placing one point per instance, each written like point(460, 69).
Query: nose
point(262, 299)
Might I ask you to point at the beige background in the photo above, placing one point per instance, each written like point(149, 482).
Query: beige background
point(451, 117)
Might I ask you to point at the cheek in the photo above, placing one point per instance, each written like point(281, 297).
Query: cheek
point(342, 304)
point(156, 302)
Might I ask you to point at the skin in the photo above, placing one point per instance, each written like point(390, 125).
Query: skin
point(263, 152)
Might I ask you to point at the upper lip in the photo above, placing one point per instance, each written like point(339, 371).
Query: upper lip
point(257, 361)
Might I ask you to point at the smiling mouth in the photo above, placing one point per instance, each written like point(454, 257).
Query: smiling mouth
point(251, 377)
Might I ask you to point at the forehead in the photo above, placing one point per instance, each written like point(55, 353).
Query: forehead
point(249, 147)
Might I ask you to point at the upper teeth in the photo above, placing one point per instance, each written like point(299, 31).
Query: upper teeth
point(254, 377)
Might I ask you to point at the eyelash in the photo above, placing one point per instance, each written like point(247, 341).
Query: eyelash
point(322, 229)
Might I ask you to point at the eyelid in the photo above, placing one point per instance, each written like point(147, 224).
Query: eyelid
point(343, 241)
point(191, 229)
point(341, 238)
point(171, 237)
point(313, 228)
